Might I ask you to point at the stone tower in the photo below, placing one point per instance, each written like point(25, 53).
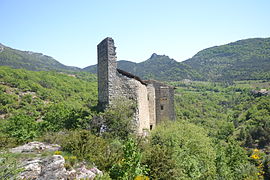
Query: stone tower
point(106, 70)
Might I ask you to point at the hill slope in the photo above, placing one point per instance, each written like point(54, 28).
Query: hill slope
point(159, 67)
point(30, 92)
point(241, 60)
point(30, 60)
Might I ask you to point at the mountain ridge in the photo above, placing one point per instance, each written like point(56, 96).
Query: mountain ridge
point(247, 59)
point(31, 60)
point(158, 67)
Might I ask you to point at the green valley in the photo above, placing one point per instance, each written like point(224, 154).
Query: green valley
point(221, 131)
point(223, 124)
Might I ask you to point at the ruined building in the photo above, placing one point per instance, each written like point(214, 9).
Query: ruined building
point(155, 100)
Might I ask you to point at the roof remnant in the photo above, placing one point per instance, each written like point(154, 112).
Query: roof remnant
point(127, 74)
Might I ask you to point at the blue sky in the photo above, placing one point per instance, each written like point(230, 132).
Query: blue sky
point(69, 30)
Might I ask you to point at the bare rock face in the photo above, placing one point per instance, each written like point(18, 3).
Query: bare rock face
point(53, 168)
point(50, 167)
point(35, 146)
point(32, 169)
point(84, 173)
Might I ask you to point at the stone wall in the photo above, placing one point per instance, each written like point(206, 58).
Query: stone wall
point(152, 105)
point(143, 108)
point(132, 89)
point(164, 101)
point(106, 70)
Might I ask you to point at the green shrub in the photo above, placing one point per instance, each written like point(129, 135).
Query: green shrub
point(116, 121)
point(130, 165)
point(180, 151)
point(63, 116)
point(161, 162)
point(232, 161)
point(21, 127)
point(6, 99)
point(105, 176)
point(87, 146)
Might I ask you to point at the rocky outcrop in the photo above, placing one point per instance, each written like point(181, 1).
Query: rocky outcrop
point(35, 146)
point(84, 173)
point(262, 92)
point(51, 166)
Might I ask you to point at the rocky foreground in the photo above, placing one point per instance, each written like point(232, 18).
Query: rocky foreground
point(44, 162)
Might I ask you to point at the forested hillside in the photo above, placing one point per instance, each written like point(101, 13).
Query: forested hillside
point(35, 96)
point(30, 60)
point(222, 129)
point(241, 60)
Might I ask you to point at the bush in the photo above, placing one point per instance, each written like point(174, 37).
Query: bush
point(180, 151)
point(62, 116)
point(160, 162)
point(21, 127)
point(130, 165)
point(105, 176)
point(87, 146)
point(116, 121)
point(232, 161)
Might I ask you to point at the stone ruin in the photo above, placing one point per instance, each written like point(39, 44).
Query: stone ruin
point(155, 100)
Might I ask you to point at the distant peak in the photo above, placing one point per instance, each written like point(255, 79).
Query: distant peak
point(154, 55)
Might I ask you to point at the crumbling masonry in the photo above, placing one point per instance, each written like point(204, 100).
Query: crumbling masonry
point(155, 100)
